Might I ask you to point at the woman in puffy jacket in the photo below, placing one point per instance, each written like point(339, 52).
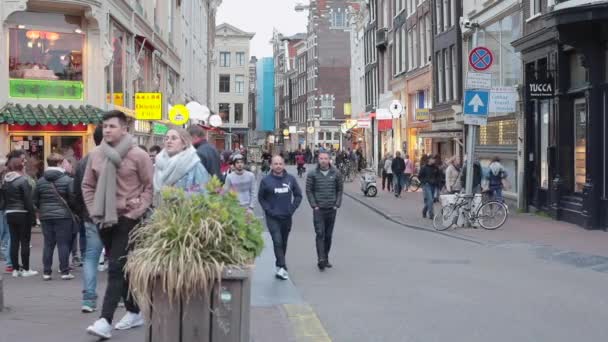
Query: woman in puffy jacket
point(54, 197)
point(20, 213)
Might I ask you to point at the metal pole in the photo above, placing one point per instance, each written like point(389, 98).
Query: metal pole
point(472, 132)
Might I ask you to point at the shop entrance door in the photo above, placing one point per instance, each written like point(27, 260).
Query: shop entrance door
point(580, 144)
point(34, 153)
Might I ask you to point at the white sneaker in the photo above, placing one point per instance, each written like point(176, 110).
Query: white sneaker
point(282, 274)
point(16, 274)
point(46, 277)
point(101, 328)
point(130, 320)
point(68, 276)
point(29, 273)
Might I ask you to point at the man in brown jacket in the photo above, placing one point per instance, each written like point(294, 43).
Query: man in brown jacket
point(117, 190)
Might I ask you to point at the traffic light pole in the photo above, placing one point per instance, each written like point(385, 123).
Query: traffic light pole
point(471, 138)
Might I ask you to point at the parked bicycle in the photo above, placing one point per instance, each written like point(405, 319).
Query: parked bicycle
point(414, 183)
point(490, 214)
point(347, 170)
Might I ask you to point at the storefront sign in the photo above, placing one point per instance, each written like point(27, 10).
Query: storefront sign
point(383, 114)
point(148, 106)
point(310, 130)
point(503, 100)
point(364, 123)
point(478, 80)
point(41, 89)
point(348, 109)
point(540, 88)
point(422, 114)
point(286, 132)
point(293, 129)
point(179, 115)
point(159, 129)
point(117, 99)
point(396, 109)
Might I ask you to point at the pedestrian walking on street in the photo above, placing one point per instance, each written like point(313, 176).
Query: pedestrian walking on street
point(5, 236)
point(117, 189)
point(279, 196)
point(242, 182)
point(54, 198)
point(398, 167)
point(209, 155)
point(497, 177)
point(93, 246)
point(410, 169)
point(178, 166)
point(477, 176)
point(70, 164)
point(429, 177)
point(324, 190)
point(20, 212)
point(387, 172)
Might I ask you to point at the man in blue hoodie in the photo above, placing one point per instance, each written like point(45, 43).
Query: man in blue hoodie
point(279, 196)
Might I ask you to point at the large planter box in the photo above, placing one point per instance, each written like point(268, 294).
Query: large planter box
point(223, 316)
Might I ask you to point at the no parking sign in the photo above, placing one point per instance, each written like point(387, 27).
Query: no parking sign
point(481, 58)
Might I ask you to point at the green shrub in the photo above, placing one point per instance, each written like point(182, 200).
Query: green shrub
point(188, 241)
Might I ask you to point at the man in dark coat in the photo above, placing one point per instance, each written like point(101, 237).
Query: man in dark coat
point(209, 155)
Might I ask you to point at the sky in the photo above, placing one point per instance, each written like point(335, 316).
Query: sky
point(260, 17)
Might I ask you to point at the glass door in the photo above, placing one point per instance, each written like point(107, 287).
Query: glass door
point(544, 144)
point(580, 143)
point(70, 146)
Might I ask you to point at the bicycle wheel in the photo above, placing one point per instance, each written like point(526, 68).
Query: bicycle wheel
point(492, 215)
point(444, 219)
point(414, 184)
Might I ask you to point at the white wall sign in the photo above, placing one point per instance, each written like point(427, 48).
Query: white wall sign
point(383, 114)
point(396, 109)
point(503, 100)
point(364, 123)
point(478, 80)
point(293, 129)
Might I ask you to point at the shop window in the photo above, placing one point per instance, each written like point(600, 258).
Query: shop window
point(45, 63)
point(321, 136)
point(580, 143)
point(337, 136)
point(544, 144)
point(238, 113)
point(503, 132)
point(224, 111)
point(224, 83)
point(116, 76)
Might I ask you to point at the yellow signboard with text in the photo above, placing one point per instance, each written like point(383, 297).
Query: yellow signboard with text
point(148, 106)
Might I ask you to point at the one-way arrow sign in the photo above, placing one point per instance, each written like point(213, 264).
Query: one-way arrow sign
point(476, 103)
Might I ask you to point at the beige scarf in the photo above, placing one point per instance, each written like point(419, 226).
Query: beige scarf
point(104, 205)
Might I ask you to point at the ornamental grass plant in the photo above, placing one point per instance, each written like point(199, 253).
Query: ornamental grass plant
point(188, 241)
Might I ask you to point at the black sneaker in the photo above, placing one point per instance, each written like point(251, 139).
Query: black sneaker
point(328, 265)
point(321, 265)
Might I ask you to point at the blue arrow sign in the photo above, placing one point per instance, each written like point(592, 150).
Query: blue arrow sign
point(476, 102)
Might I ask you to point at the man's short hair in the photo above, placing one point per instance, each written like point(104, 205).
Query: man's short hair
point(196, 131)
point(54, 159)
point(324, 152)
point(122, 117)
point(156, 149)
point(15, 154)
point(98, 135)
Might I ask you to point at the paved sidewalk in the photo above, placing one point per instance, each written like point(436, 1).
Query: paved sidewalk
point(50, 311)
point(520, 229)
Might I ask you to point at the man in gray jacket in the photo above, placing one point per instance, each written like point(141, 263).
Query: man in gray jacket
point(324, 191)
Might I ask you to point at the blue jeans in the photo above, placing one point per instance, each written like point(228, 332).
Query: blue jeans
point(94, 246)
point(5, 239)
point(429, 196)
point(496, 194)
point(398, 182)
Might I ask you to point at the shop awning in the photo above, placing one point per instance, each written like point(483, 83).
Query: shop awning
point(40, 115)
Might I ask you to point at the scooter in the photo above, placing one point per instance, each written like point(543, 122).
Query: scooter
point(368, 183)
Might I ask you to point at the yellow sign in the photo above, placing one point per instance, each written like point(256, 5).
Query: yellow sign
point(422, 114)
point(148, 106)
point(179, 115)
point(119, 99)
point(348, 109)
point(310, 130)
point(285, 132)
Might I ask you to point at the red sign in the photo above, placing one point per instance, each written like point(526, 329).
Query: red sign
point(47, 128)
point(481, 58)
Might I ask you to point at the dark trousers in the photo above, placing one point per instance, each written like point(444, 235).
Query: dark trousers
point(398, 183)
point(387, 180)
point(116, 241)
point(58, 233)
point(279, 229)
point(21, 235)
point(324, 220)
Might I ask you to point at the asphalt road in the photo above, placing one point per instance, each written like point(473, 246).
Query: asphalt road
point(391, 283)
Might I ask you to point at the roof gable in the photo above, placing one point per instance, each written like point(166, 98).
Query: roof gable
point(226, 29)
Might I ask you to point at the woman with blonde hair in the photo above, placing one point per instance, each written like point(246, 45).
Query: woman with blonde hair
point(178, 165)
point(452, 176)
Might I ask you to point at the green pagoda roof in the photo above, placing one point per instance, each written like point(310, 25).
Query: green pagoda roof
point(41, 115)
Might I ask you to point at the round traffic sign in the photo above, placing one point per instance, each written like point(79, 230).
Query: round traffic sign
point(481, 58)
point(179, 115)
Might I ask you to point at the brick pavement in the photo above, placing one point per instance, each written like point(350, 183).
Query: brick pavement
point(519, 229)
point(50, 311)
